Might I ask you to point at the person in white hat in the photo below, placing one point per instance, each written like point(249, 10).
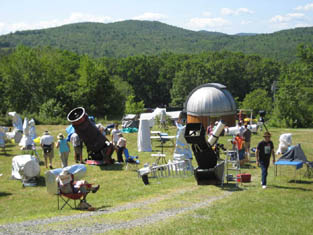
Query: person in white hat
point(47, 145)
point(64, 149)
point(121, 145)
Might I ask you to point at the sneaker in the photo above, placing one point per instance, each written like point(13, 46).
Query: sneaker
point(95, 189)
point(264, 186)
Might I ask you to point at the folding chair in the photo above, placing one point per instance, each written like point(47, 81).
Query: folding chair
point(131, 161)
point(65, 199)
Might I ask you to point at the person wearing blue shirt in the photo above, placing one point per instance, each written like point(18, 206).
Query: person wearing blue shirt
point(64, 149)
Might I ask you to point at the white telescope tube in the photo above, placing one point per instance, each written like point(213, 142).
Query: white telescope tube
point(216, 132)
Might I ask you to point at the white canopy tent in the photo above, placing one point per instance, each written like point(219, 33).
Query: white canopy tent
point(143, 137)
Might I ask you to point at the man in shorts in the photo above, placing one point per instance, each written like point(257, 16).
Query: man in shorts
point(78, 148)
point(47, 145)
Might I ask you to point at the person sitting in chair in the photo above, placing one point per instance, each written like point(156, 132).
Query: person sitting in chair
point(67, 185)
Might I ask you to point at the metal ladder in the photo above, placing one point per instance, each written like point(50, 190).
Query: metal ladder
point(232, 157)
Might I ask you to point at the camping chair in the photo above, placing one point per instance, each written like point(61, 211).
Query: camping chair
point(66, 197)
point(131, 161)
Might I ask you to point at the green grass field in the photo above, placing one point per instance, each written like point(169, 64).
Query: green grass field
point(285, 207)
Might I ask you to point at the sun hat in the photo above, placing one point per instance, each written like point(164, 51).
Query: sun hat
point(267, 134)
point(60, 136)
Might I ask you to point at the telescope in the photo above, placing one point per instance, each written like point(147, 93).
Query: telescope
point(209, 171)
point(98, 146)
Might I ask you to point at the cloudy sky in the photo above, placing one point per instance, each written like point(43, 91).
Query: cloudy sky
point(231, 17)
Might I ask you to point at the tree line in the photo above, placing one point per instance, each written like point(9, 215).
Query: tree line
point(47, 83)
point(134, 37)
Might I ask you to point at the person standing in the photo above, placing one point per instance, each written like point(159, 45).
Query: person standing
point(78, 147)
point(115, 136)
point(239, 143)
point(115, 133)
point(47, 145)
point(247, 138)
point(240, 128)
point(263, 155)
point(64, 149)
point(121, 145)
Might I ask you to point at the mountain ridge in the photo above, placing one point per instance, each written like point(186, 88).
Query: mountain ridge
point(133, 37)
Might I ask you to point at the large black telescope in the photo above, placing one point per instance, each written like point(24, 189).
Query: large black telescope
point(98, 146)
point(209, 171)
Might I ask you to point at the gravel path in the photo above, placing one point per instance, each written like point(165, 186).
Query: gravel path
point(31, 227)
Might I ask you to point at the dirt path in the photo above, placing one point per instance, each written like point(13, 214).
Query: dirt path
point(38, 226)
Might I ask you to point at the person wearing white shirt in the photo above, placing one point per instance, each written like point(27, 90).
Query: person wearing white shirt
point(47, 145)
point(121, 145)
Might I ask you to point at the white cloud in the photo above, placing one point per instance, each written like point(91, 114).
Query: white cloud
point(305, 8)
point(286, 18)
point(75, 17)
point(150, 16)
point(207, 13)
point(245, 22)
point(239, 11)
point(203, 23)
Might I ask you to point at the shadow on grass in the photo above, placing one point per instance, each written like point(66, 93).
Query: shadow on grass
point(296, 188)
point(6, 153)
point(112, 167)
point(102, 208)
point(41, 182)
point(231, 187)
point(4, 194)
point(300, 181)
point(247, 167)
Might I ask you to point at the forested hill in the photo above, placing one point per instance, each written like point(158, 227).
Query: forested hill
point(127, 38)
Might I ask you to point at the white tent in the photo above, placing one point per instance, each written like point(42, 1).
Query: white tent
point(149, 117)
point(143, 137)
point(174, 115)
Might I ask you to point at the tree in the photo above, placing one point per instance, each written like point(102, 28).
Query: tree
point(132, 107)
point(257, 100)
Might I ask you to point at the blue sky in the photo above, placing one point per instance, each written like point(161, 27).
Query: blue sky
point(231, 17)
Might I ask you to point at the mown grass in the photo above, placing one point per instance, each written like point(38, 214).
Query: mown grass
point(283, 208)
